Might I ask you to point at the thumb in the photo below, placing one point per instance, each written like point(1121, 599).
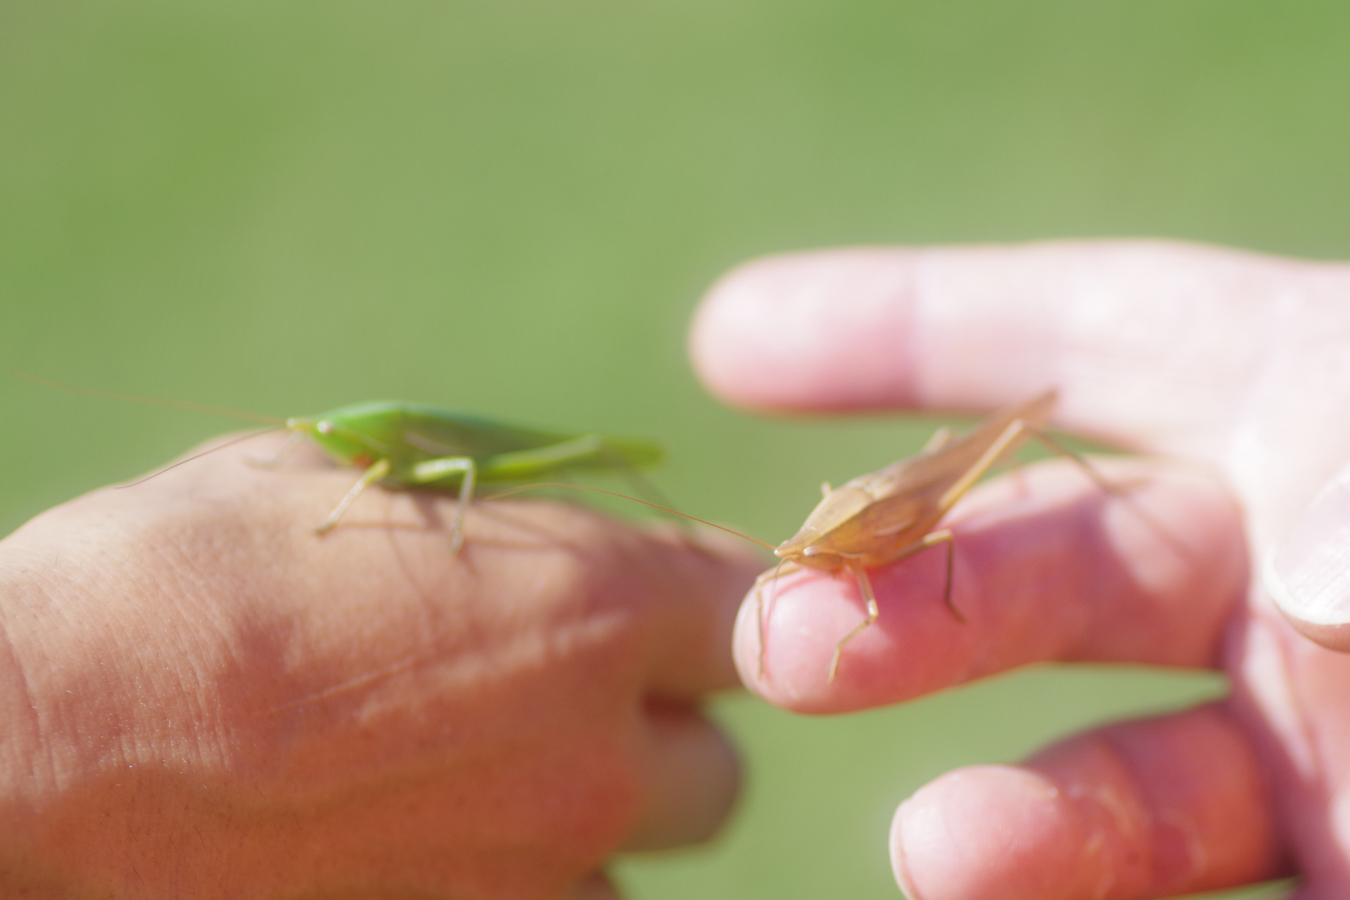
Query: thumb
point(1308, 575)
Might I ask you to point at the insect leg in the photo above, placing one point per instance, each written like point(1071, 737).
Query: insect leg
point(1007, 440)
point(520, 465)
point(437, 469)
point(865, 584)
point(777, 572)
point(1116, 489)
point(368, 477)
point(941, 438)
point(932, 539)
point(585, 452)
point(462, 504)
point(1016, 432)
point(1070, 453)
point(593, 448)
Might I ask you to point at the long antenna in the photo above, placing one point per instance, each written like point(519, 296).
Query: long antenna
point(159, 401)
point(587, 487)
point(196, 456)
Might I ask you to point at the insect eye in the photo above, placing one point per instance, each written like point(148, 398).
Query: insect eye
point(324, 427)
point(811, 551)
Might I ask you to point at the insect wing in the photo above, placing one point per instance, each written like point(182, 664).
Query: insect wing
point(1034, 413)
point(411, 433)
point(929, 475)
point(875, 517)
point(438, 433)
point(901, 506)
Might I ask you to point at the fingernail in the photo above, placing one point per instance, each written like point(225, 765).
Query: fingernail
point(1308, 575)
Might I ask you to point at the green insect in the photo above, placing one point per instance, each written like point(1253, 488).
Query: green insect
point(404, 445)
point(413, 447)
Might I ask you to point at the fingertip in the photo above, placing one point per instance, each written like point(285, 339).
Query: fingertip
point(820, 330)
point(985, 831)
point(790, 615)
point(914, 648)
point(1150, 808)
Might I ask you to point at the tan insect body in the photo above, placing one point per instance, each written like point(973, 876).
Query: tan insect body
point(886, 516)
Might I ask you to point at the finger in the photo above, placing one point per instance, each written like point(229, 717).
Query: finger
point(810, 331)
point(691, 777)
point(1047, 566)
point(1150, 342)
point(1153, 808)
point(972, 327)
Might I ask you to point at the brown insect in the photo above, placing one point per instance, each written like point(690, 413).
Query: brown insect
point(894, 513)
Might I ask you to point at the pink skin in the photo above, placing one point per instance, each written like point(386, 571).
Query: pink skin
point(1233, 366)
point(204, 699)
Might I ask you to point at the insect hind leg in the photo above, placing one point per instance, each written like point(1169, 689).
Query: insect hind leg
point(941, 438)
point(432, 470)
point(1079, 459)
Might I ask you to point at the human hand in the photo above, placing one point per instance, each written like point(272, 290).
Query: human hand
point(202, 698)
point(1235, 361)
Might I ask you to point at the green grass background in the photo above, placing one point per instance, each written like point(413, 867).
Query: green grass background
point(511, 206)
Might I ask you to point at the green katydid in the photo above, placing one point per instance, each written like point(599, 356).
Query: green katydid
point(406, 445)
point(415, 447)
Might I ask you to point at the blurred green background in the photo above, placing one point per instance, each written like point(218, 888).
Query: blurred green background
point(512, 206)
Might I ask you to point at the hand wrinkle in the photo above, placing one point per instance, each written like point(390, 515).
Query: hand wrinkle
point(27, 706)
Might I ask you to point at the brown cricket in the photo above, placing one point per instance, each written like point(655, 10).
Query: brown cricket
point(891, 514)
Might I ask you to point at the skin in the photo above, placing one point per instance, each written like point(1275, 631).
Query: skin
point(204, 699)
point(1231, 370)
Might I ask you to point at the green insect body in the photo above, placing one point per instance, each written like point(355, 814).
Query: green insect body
point(406, 445)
